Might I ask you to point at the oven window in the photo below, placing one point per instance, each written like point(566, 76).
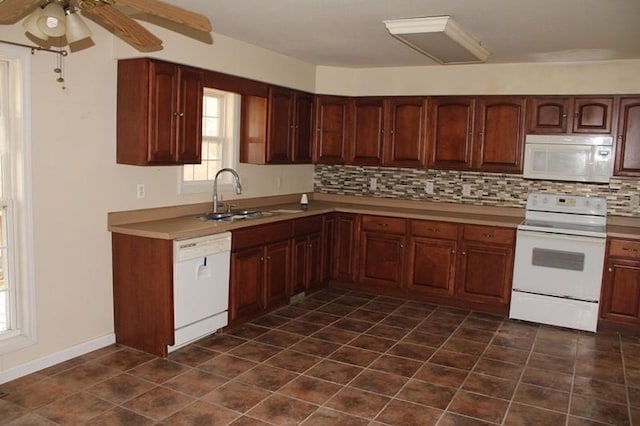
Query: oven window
point(558, 259)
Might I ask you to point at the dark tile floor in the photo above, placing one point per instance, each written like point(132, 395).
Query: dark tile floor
point(339, 358)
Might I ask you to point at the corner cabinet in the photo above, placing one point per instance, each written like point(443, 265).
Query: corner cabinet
point(620, 300)
point(277, 129)
point(330, 136)
point(628, 139)
point(159, 115)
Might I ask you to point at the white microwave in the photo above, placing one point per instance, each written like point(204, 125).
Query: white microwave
point(575, 158)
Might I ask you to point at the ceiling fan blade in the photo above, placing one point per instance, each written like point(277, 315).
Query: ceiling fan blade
point(12, 10)
point(170, 12)
point(124, 27)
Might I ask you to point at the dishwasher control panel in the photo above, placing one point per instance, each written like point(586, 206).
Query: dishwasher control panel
point(201, 246)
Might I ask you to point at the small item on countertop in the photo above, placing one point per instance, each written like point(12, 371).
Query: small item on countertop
point(304, 202)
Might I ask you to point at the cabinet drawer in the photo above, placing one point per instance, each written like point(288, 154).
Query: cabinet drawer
point(392, 225)
point(624, 248)
point(261, 234)
point(489, 234)
point(431, 229)
point(308, 225)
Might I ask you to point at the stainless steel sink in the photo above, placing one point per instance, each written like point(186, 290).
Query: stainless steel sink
point(234, 215)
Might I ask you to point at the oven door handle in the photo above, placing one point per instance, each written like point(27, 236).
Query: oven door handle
point(556, 236)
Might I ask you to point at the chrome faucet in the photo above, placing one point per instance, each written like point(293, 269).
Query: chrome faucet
point(236, 180)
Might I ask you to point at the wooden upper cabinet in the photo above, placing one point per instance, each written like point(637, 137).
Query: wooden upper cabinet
point(302, 138)
point(330, 136)
point(570, 114)
point(499, 134)
point(405, 125)
point(159, 114)
point(366, 131)
point(280, 122)
point(450, 133)
point(628, 139)
point(276, 129)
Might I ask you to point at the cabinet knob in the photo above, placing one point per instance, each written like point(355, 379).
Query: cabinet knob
point(453, 252)
point(391, 131)
point(181, 114)
point(401, 245)
point(261, 259)
point(268, 257)
point(175, 114)
point(464, 253)
point(619, 137)
point(610, 269)
point(564, 115)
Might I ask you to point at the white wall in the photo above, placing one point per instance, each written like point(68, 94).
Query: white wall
point(615, 77)
point(76, 181)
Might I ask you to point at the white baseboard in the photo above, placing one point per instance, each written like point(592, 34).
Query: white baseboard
point(56, 358)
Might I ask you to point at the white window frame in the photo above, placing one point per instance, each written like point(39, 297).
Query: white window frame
point(16, 159)
point(231, 134)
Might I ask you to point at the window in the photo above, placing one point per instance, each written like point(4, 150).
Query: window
point(219, 147)
point(17, 307)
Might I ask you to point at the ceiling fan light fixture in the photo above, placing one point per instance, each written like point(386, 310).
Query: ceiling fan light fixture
point(51, 20)
point(31, 25)
point(440, 38)
point(77, 29)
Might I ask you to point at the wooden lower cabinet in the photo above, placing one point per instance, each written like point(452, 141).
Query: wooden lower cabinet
point(485, 264)
point(432, 257)
point(260, 270)
point(308, 255)
point(382, 251)
point(469, 266)
point(345, 245)
point(620, 299)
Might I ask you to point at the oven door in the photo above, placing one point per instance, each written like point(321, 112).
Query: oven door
point(559, 265)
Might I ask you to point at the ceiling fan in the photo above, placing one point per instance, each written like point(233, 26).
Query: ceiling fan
point(57, 18)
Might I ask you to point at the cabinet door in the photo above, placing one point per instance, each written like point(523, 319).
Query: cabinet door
point(189, 127)
point(450, 133)
point(330, 139)
point(628, 140)
point(381, 259)
point(345, 254)
point(621, 291)
point(592, 115)
point(280, 113)
point(367, 131)
point(163, 106)
point(405, 132)
point(315, 272)
point(277, 273)
point(548, 115)
point(302, 128)
point(499, 134)
point(431, 267)
point(485, 272)
point(328, 244)
point(246, 296)
point(299, 265)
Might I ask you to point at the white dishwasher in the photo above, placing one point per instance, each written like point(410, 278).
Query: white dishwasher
point(200, 286)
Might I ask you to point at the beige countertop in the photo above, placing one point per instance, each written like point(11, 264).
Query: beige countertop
point(183, 221)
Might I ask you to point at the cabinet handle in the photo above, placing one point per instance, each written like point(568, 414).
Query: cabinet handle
point(564, 115)
point(488, 235)
point(631, 249)
point(181, 114)
point(436, 230)
point(384, 225)
point(610, 269)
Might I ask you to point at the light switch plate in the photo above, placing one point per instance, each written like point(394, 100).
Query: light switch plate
point(466, 190)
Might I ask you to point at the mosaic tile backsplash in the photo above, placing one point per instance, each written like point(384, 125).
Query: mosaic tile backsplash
point(487, 189)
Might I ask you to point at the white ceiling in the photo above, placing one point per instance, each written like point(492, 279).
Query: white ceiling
point(350, 33)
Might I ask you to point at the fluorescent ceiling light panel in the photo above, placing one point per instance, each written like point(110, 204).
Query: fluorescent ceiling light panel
point(440, 38)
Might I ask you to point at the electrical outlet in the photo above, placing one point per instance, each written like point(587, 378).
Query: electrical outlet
point(466, 189)
point(140, 190)
point(373, 184)
point(428, 187)
point(635, 200)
